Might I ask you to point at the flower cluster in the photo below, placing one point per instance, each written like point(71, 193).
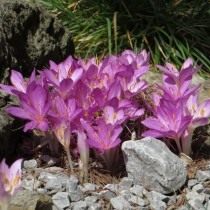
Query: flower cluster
point(88, 98)
point(176, 111)
point(93, 100)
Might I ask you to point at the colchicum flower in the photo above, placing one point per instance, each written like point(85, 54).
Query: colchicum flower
point(169, 121)
point(104, 137)
point(34, 107)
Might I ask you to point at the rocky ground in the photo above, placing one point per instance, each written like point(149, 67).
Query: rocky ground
point(52, 187)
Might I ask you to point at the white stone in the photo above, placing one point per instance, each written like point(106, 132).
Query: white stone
point(151, 164)
point(120, 203)
point(61, 200)
point(30, 164)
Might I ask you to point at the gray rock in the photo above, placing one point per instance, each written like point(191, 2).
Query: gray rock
point(53, 186)
point(30, 164)
point(157, 200)
point(30, 183)
point(158, 205)
point(30, 36)
point(80, 205)
point(151, 164)
point(88, 187)
point(72, 183)
point(207, 205)
point(76, 195)
point(203, 176)
point(61, 200)
point(206, 191)
point(138, 201)
point(91, 199)
point(196, 204)
point(126, 194)
point(198, 188)
point(153, 196)
point(192, 195)
point(27, 200)
point(184, 207)
point(172, 200)
point(53, 182)
point(126, 183)
point(45, 176)
point(95, 206)
point(120, 203)
point(107, 194)
point(112, 187)
point(41, 190)
point(137, 190)
point(192, 182)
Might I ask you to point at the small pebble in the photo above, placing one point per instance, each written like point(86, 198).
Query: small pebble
point(203, 176)
point(120, 203)
point(126, 183)
point(61, 200)
point(193, 195)
point(138, 201)
point(198, 188)
point(107, 195)
point(91, 199)
point(80, 205)
point(30, 164)
point(88, 187)
point(192, 182)
point(137, 190)
point(95, 206)
point(76, 195)
point(196, 204)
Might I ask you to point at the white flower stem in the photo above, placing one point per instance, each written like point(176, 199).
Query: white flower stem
point(178, 145)
point(186, 143)
point(69, 159)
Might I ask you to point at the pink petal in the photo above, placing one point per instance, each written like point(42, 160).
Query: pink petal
point(53, 65)
point(38, 98)
point(116, 132)
point(153, 133)
point(66, 85)
point(153, 123)
point(90, 131)
point(18, 81)
point(77, 74)
point(188, 63)
point(29, 126)
point(15, 169)
point(18, 112)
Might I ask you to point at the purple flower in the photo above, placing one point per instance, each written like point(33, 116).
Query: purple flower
point(34, 107)
point(103, 136)
point(177, 85)
point(10, 178)
point(64, 111)
point(169, 121)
